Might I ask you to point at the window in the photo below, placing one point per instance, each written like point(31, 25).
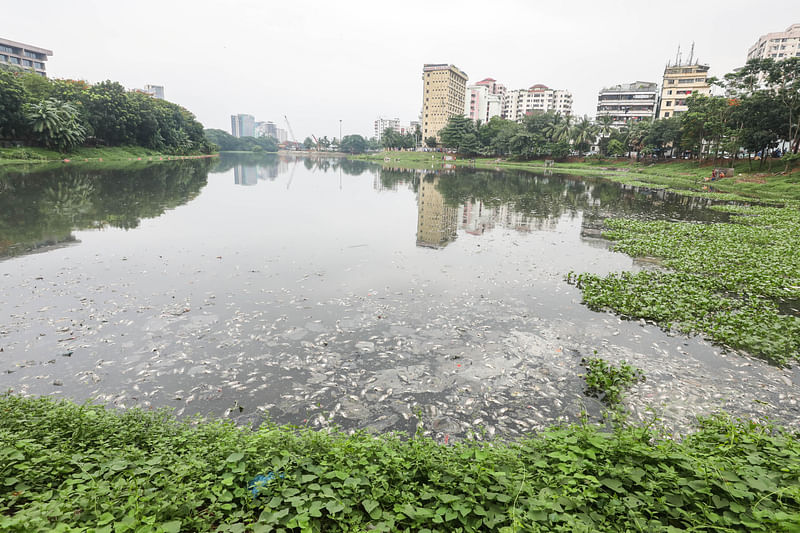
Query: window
point(669, 103)
point(26, 63)
point(14, 60)
point(6, 49)
point(669, 92)
point(666, 115)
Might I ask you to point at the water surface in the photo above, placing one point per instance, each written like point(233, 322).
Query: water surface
point(325, 291)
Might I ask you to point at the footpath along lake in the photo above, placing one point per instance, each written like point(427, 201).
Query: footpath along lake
point(328, 292)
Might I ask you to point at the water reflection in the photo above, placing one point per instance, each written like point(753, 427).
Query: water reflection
point(436, 220)
point(39, 209)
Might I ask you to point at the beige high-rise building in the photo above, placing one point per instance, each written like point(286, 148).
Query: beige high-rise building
point(777, 45)
point(680, 82)
point(443, 92)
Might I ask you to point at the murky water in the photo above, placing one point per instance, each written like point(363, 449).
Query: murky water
point(326, 291)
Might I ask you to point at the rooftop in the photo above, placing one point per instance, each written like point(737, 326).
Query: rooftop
point(29, 47)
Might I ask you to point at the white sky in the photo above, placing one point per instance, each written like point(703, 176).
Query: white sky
point(319, 62)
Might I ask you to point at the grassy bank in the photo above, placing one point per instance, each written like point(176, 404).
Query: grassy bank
point(42, 155)
point(65, 467)
point(685, 177)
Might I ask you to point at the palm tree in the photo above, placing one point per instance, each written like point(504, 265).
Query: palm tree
point(563, 129)
point(583, 134)
point(605, 125)
point(55, 124)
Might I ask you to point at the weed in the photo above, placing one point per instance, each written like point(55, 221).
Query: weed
point(607, 381)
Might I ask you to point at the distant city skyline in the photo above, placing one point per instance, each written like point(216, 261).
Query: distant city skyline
point(320, 63)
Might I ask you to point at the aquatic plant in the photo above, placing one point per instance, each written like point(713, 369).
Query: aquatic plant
point(68, 467)
point(728, 281)
point(607, 381)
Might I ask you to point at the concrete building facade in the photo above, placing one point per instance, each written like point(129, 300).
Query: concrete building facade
point(24, 56)
point(443, 93)
point(628, 102)
point(243, 125)
point(382, 124)
point(484, 100)
point(777, 45)
point(537, 98)
point(679, 83)
point(156, 91)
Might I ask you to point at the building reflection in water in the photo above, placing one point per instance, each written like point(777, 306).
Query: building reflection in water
point(245, 174)
point(436, 221)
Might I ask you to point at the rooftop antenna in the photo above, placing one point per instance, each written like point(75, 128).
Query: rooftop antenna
point(691, 54)
point(678, 56)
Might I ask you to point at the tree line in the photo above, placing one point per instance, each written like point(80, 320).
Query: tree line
point(759, 115)
point(228, 143)
point(66, 114)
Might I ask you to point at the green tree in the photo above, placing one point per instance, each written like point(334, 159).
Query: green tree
point(12, 99)
point(583, 135)
point(353, 144)
point(431, 142)
point(453, 134)
point(55, 124)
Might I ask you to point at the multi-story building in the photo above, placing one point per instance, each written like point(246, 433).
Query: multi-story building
point(282, 135)
point(25, 56)
point(382, 124)
point(484, 100)
point(443, 93)
point(266, 129)
point(156, 91)
point(777, 45)
point(538, 98)
point(680, 82)
point(243, 125)
point(628, 102)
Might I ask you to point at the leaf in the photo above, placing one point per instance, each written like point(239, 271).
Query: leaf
point(613, 483)
point(334, 507)
point(234, 457)
point(173, 526)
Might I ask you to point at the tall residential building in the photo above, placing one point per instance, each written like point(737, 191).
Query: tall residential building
point(156, 91)
point(680, 82)
point(382, 124)
point(777, 45)
point(443, 90)
point(24, 56)
point(484, 100)
point(538, 98)
point(266, 129)
point(243, 125)
point(628, 102)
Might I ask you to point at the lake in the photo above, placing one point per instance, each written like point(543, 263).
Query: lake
point(328, 292)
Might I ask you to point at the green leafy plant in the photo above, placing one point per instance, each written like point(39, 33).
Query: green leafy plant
point(607, 381)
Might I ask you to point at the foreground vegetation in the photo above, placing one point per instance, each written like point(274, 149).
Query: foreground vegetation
point(65, 467)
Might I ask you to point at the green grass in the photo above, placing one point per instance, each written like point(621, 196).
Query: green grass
point(67, 467)
point(31, 154)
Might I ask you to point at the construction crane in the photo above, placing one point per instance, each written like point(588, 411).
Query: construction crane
point(289, 126)
point(315, 140)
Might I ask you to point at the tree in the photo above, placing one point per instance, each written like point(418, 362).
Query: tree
point(583, 135)
point(308, 143)
point(605, 125)
point(615, 147)
point(12, 98)
point(354, 144)
point(55, 124)
point(458, 126)
point(431, 142)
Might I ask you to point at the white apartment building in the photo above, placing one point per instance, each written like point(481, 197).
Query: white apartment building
point(484, 100)
point(628, 102)
point(383, 123)
point(538, 98)
point(777, 45)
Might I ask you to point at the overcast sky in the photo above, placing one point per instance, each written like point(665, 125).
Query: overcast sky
point(321, 62)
